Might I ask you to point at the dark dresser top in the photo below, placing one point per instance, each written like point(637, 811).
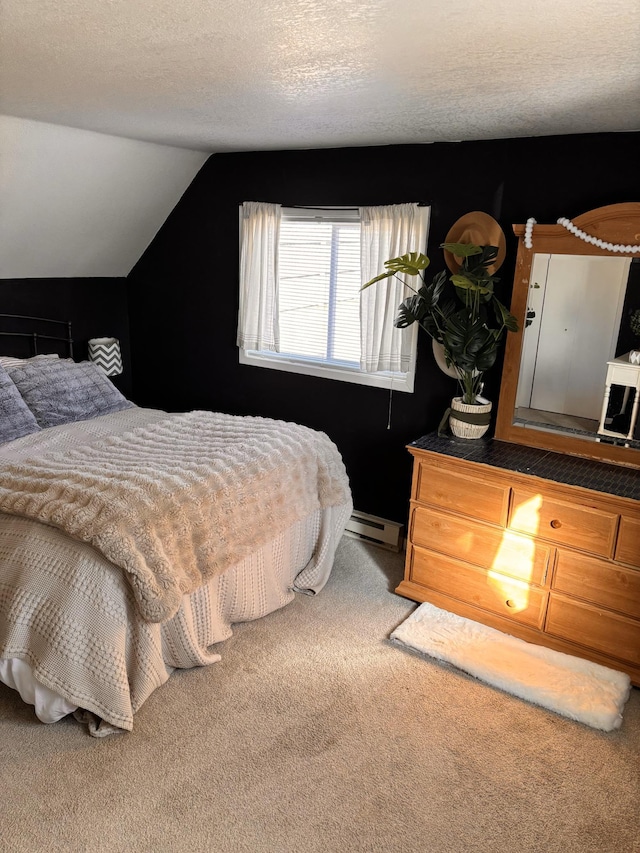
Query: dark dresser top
point(604, 477)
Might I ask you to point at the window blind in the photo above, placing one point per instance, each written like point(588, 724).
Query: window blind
point(319, 285)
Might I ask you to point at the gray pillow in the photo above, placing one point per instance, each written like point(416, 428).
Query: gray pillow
point(60, 392)
point(15, 418)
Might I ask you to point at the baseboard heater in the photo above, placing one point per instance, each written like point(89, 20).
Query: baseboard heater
point(377, 531)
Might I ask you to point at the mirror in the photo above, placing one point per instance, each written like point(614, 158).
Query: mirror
point(571, 380)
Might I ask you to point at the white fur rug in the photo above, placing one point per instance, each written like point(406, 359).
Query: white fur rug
point(571, 686)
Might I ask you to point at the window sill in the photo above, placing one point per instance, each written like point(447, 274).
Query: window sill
point(396, 381)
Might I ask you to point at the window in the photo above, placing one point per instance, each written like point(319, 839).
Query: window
point(319, 289)
point(316, 301)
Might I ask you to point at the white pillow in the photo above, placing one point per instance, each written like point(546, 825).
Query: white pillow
point(10, 361)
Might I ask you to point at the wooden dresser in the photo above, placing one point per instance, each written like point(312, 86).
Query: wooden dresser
point(536, 544)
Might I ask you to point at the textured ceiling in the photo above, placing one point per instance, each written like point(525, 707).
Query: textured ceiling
point(239, 75)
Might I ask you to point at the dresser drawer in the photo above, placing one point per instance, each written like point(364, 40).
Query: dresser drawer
point(601, 583)
point(496, 593)
point(594, 628)
point(485, 501)
point(583, 527)
point(481, 544)
point(628, 547)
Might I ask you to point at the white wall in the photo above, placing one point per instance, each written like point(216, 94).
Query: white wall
point(75, 204)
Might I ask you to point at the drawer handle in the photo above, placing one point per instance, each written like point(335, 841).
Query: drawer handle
point(510, 602)
point(555, 523)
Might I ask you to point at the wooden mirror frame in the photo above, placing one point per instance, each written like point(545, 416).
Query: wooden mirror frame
point(618, 224)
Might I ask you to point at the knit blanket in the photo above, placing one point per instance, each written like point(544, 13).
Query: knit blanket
point(178, 501)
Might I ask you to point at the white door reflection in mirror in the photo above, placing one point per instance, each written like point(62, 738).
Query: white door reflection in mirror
point(573, 321)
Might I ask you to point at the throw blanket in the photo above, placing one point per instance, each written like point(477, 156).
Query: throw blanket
point(181, 500)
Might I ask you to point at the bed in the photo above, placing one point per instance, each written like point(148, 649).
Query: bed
point(132, 539)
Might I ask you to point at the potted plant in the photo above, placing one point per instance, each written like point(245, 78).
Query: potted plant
point(469, 326)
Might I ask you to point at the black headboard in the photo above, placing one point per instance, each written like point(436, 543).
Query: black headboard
point(23, 336)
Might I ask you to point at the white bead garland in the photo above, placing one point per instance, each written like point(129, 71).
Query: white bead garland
point(595, 241)
point(528, 231)
point(582, 235)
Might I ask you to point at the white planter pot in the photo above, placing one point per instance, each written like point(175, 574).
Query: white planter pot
point(464, 429)
point(634, 356)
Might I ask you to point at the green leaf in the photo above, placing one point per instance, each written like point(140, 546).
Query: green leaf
point(485, 357)
point(412, 310)
point(462, 281)
point(465, 283)
point(471, 345)
point(504, 316)
point(488, 255)
point(411, 264)
point(461, 250)
point(377, 278)
point(430, 293)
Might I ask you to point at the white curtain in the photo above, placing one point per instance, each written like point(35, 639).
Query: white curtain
point(258, 316)
point(388, 232)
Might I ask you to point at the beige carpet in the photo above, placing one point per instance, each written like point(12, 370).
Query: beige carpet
point(316, 733)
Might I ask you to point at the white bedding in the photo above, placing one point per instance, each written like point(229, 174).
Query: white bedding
point(48, 705)
point(179, 501)
point(64, 608)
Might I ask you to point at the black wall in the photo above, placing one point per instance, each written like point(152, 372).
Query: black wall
point(183, 294)
point(96, 307)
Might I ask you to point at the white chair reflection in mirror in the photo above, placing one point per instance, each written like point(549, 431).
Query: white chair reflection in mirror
point(621, 371)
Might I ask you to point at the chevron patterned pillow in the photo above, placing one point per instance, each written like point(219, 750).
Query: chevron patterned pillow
point(105, 353)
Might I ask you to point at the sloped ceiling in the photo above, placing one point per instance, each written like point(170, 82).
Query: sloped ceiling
point(228, 75)
point(78, 204)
